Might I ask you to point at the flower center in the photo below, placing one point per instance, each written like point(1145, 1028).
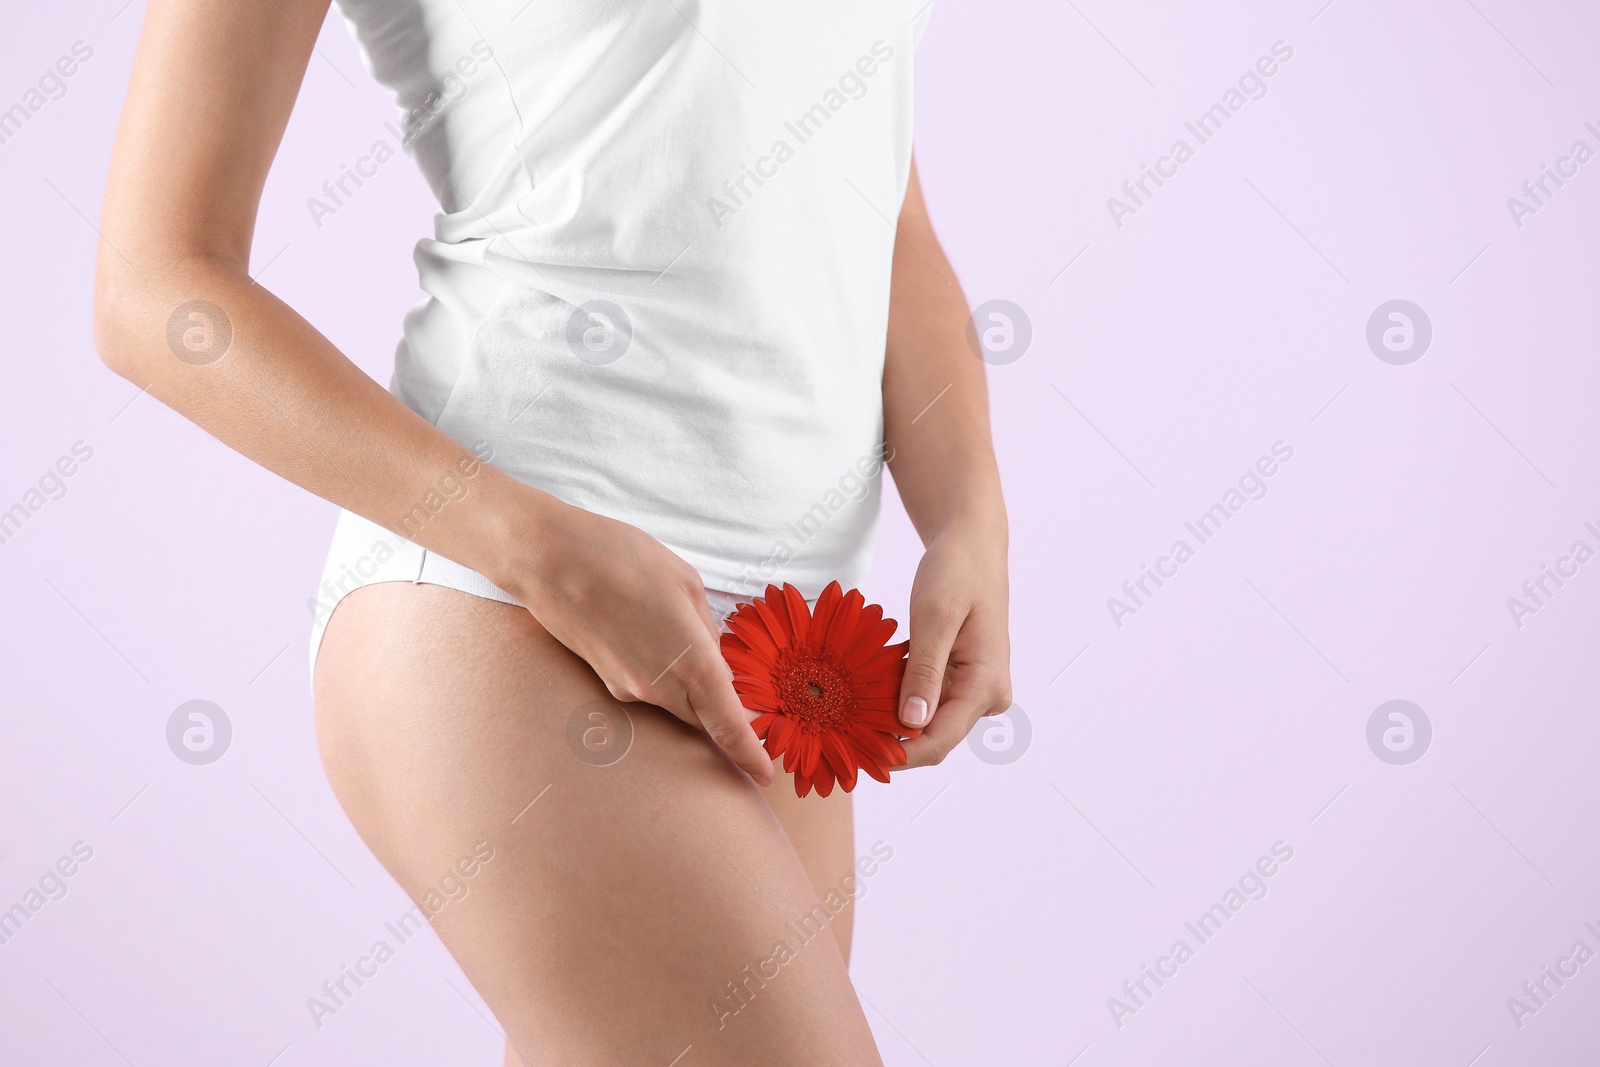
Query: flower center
point(815, 690)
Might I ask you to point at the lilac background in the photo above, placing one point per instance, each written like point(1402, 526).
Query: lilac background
point(1167, 754)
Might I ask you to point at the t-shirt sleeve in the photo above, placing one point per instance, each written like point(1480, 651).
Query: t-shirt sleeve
point(919, 23)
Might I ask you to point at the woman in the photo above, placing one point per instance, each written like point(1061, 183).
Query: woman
point(683, 299)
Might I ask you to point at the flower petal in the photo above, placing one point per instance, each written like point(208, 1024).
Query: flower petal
point(822, 616)
point(745, 627)
point(799, 615)
point(884, 658)
point(875, 769)
point(883, 747)
point(810, 754)
point(869, 616)
point(846, 620)
point(892, 754)
point(774, 618)
point(841, 759)
point(870, 643)
point(781, 733)
point(747, 662)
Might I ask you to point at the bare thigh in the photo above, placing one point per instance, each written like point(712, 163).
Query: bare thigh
point(822, 833)
point(625, 912)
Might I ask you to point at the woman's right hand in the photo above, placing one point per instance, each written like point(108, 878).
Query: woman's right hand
point(177, 219)
point(637, 614)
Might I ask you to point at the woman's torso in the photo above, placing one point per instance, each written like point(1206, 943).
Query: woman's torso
point(724, 178)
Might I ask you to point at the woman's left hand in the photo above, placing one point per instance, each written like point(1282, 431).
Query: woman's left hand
point(959, 668)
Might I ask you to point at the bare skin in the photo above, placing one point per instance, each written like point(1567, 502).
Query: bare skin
point(629, 896)
point(620, 905)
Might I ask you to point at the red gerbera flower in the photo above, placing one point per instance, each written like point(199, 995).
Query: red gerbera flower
point(825, 684)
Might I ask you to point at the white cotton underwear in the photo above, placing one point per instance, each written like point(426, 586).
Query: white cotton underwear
point(364, 553)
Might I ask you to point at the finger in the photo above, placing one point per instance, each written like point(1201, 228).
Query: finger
point(708, 618)
point(956, 718)
point(715, 705)
point(933, 631)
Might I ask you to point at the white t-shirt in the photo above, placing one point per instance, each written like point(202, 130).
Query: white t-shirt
point(658, 286)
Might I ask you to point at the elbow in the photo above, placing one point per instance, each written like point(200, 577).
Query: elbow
point(116, 311)
point(144, 327)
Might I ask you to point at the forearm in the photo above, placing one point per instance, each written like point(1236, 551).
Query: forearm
point(210, 96)
point(284, 396)
point(935, 396)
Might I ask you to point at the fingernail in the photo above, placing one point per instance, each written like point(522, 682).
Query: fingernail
point(915, 712)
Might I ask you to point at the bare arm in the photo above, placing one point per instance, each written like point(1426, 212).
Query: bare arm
point(213, 84)
point(192, 154)
point(936, 422)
